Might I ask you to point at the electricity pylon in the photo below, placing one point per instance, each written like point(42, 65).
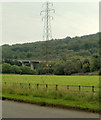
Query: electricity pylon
point(47, 20)
point(47, 35)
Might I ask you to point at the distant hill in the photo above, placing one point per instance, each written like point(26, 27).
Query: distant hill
point(83, 46)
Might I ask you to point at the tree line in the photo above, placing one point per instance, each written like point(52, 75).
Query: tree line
point(73, 65)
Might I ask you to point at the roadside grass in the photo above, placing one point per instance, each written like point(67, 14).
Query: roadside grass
point(54, 102)
point(87, 101)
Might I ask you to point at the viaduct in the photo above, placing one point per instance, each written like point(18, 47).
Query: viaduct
point(31, 62)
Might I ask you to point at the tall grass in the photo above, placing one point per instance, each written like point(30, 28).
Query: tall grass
point(52, 94)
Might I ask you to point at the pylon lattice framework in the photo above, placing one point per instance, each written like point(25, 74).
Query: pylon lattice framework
point(47, 35)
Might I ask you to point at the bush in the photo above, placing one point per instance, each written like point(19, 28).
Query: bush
point(34, 72)
point(15, 69)
point(26, 70)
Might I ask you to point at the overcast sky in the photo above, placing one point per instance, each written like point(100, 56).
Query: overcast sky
point(21, 22)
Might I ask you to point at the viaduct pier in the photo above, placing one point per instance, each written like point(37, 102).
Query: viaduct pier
point(31, 62)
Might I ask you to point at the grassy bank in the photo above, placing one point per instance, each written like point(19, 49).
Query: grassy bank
point(85, 101)
point(79, 105)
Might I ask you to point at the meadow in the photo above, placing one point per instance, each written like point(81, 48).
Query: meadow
point(52, 79)
point(17, 87)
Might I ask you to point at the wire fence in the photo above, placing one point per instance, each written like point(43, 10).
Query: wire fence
point(56, 87)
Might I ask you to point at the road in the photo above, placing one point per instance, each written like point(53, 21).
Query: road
point(11, 109)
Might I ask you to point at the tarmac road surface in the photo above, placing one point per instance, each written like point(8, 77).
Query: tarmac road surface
point(11, 109)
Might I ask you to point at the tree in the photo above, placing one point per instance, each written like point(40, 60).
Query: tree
point(6, 68)
point(11, 62)
point(85, 61)
point(0, 68)
point(86, 65)
point(100, 71)
point(59, 69)
point(15, 69)
point(86, 68)
point(72, 65)
point(69, 68)
point(26, 70)
point(95, 63)
point(77, 65)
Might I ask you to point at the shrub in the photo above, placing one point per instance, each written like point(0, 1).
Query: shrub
point(15, 69)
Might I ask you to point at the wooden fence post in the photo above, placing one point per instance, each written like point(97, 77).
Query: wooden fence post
point(46, 86)
point(79, 88)
point(56, 87)
point(21, 85)
point(37, 85)
point(67, 87)
point(29, 85)
point(93, 89)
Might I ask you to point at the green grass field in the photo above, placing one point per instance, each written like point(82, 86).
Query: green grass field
point(61, 97)
point(52, 79)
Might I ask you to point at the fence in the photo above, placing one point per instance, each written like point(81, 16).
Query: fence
point(73, 88)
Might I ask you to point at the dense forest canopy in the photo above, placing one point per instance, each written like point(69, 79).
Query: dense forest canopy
point(83, 46)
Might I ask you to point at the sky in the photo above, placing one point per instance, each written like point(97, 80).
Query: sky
point(22, 23)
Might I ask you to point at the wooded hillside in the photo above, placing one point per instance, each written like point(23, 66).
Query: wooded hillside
point(83, 46)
